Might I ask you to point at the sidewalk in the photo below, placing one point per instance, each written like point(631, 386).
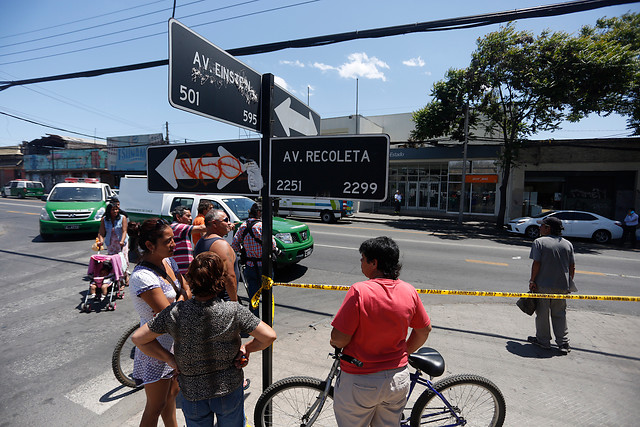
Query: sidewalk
point(595, 385)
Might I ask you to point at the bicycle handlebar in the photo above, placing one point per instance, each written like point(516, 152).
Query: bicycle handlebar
point(349, 359)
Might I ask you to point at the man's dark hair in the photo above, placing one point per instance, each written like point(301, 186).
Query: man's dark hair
point(204, 206)
point(384, 250)
point(555, 225)
point(255, 208)
point(178, 212)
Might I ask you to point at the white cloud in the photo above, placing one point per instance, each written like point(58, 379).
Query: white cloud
point(295, 63)
point(323, 67)
point(414, 62)
point(358, 65)
point(283, 84)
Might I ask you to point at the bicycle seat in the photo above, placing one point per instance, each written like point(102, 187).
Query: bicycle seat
point(428, 360)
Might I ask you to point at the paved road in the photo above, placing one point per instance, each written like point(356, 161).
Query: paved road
point(57, 366)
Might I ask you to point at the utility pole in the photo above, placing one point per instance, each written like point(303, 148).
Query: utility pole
point(166, 125)
point(464, 162)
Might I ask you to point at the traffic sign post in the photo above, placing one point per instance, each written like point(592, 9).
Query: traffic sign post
point(206, 80)
point(230, 167)
point(354, 167)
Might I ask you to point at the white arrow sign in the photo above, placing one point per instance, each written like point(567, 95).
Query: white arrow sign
point(291, 119)
point(224, 168)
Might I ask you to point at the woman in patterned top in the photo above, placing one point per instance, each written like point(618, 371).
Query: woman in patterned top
point(209, 354)
point(156, 282)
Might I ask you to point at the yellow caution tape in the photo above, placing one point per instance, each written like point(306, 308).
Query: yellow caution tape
point(468, 293)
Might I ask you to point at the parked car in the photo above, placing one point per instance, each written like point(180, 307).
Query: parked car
point(23, 188)
point(576, 224)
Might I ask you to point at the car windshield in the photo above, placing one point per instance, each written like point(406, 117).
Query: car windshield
point(240, 206)
point(76, 194)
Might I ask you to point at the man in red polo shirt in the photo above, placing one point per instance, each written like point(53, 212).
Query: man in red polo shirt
point(372, 325)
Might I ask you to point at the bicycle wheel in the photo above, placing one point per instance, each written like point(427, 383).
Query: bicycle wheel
point(475, 398)
point(122, 358)
point(290, 399)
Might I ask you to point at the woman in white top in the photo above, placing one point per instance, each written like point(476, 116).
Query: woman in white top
point(155, 284)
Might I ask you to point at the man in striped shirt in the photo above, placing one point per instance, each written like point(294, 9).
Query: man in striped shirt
point(249, 235)
point(182, 231)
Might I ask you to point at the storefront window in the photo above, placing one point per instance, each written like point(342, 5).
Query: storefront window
point(483, 198)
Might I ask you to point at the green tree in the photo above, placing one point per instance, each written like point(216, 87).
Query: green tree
point(518, 85)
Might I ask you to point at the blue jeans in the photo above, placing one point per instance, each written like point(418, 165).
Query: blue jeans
point(254, 281)
point(229, 410)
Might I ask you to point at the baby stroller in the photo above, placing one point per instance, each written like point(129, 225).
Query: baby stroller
point(103, 270)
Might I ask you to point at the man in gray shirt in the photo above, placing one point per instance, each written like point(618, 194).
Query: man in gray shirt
point(551, 273)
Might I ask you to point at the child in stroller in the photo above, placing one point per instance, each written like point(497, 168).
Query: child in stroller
point(107, 281)
point(102, 280)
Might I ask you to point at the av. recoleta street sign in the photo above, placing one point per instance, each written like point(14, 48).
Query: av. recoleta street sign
point(351, 167)
point(206, 80)
point(230, 167)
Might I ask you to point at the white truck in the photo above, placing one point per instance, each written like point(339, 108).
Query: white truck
point(292, 237)
point(328, 210)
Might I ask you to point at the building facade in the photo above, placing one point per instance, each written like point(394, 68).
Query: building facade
point(596, 175)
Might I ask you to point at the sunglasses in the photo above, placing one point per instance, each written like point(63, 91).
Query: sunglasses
point(161, 222)
point(224, 219)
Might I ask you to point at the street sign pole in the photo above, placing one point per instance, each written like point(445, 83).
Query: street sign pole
point(267, 222)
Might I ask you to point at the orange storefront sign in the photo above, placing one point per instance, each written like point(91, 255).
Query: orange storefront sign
point(481, 179)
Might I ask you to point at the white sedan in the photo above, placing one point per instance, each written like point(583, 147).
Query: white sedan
point(576, 224)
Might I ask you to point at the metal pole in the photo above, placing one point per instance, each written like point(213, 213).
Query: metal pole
point(357, 120)
point(267, 220)
point(464, 161)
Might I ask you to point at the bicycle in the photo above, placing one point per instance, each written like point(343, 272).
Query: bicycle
point(457, 400)
point(122, 358)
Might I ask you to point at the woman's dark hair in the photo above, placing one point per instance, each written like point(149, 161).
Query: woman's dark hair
point(149, 231)
point(385, 251)
point(107, 213)
point(206, 274)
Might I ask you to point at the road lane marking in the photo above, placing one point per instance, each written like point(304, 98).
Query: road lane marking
point(26, 213)
point(476, 261)
point(593, 273)
point(336, 247)
point(91, 395)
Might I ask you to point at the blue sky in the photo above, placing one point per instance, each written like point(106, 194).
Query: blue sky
point(395, 74)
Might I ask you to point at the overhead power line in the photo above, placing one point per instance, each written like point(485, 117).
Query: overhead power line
point(37, 30)
point(118, 32)
point(438, 25)
point(162, 33)
point(51, 127)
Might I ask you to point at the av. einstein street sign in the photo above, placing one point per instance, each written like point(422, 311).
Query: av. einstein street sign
point(206, 80)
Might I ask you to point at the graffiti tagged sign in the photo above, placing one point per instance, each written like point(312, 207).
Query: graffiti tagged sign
point(229, 167)
point(206, 80)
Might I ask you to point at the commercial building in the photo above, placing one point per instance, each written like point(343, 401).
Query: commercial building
point(597, 175)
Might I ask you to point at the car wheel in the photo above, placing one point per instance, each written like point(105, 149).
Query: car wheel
point(602, 236)
point(20, 195)
point(327, 217)
point(532, 232)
